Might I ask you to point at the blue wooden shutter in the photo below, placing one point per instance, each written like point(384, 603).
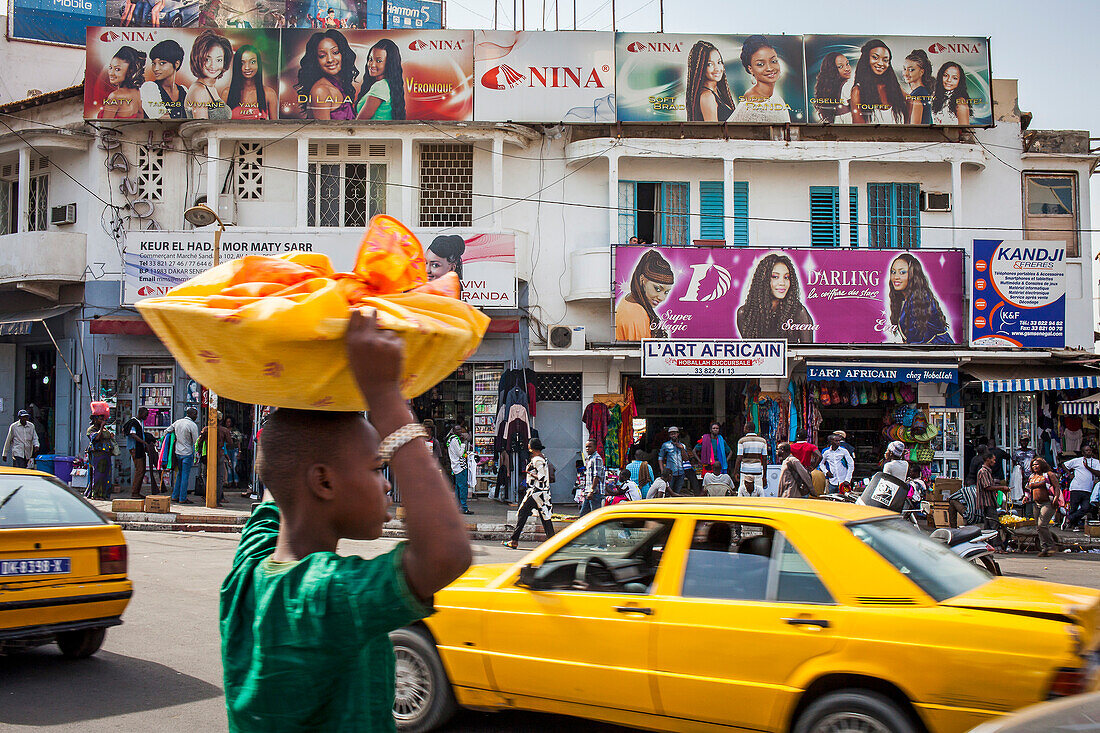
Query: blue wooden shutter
point(907, 214)
point(854, 222)
point(824, 217)
point(712, 210)
point(741, 213)
point(893, 215)
point(628, 198)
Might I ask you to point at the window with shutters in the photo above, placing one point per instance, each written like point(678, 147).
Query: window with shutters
point(825, 216)
point(1051, 209)
point(712, 209)
point(893, 215)
point(38, 197)
point(249, 171)
point(655, 213)
point(346, 184)
point(447, 185)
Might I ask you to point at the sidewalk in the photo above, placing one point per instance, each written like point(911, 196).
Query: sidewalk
point(489, 520)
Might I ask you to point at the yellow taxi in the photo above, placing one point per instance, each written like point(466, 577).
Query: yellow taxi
point(746, 614)
point(62, 567)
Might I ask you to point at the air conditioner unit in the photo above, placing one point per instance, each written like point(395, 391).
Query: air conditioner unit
point(932, 201)
point(566, 338)
point(227, 208)
point(60, 215)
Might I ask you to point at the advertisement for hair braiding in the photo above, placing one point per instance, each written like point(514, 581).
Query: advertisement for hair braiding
point(801, 295)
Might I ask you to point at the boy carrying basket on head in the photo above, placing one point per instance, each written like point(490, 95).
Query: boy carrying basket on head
point(305, 641)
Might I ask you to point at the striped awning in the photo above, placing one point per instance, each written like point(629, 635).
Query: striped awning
point(1085, 406)
point(1033, 378)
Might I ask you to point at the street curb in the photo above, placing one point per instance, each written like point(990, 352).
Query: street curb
point(142, 522)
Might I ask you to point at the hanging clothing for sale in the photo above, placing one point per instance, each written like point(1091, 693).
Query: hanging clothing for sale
point(524, 379)
point(614, 424)
point(626, 432)
point(595, 419)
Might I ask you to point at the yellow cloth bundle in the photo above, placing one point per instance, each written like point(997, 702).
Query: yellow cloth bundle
point(270, 330)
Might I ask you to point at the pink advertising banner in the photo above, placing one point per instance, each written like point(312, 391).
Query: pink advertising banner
point(823, 296)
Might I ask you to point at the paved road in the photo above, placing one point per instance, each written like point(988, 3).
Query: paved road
point(162, 670)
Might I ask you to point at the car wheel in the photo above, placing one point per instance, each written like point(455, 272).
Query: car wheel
point(423, 698)
point(989, 564)
point(854, 711)
point(81, 644)
point(177, 21)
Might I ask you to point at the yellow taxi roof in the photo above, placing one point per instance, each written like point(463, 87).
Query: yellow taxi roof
point(838, 510)
point(8, 470)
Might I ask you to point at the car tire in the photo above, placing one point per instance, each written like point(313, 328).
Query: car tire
point(423, 699)
point(989, 564)
point(854, 709)
point(81, 644)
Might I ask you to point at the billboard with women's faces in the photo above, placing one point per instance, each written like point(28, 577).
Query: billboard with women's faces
point(823, 296)
point(689, 77)
point(556, 76)
point(377, 75)
point(181, 73)
point(941, 81)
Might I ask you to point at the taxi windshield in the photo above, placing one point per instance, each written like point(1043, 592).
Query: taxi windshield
point(930, 564)
point(38, 501)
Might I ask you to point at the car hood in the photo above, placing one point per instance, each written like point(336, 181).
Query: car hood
point(1066, 603)
point(478, 576)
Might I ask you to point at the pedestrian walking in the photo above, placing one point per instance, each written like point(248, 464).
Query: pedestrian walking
point(805, 451)
point(1086, 472)
point(839, 464)
point(641, 472)
point(457, 452)
point(595, 476)
point(794, 479)
point(232, 452)
point(304, 629)
point(186, 434)
point(1046, 492)
point(134, 430)
point(987, 488)
point(433, 440)
point(713, 448)
point(537, 497)
point(671, 456)
point(895, 463)
point(22, 441)
point(221, 464)
point(752, 453)
point(101, 448)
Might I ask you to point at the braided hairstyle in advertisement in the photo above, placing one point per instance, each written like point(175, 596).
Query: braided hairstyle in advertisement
point(655, 268)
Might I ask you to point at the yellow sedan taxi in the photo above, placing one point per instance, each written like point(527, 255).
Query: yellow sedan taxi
point(62, 567)
point(746, 614)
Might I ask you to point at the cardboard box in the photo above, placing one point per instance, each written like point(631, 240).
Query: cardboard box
point(941, 516)
point(127, 505)
point(944, 487)
point(161, 504)
point(1092, 529)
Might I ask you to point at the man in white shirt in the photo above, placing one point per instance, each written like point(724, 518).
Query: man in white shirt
point(752, 451)
point(717, 482)
point(1086, 472)
point(22, 441)
point(896, 465)
point(660, 488)
point(186, 432)
point(458, 443)
point(839, 464)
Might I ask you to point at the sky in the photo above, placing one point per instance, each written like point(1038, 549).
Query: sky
point(1050, 46)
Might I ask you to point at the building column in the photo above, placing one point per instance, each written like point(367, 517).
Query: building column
point(302, 184)
point(727, 200)
point(213, 178)
point(498, 181)
point(407, 182)
point(24, 203)
point(845, 199)
point(613, 198)
point(956, 202)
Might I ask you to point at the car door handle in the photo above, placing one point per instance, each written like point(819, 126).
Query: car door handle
point(634, 609)
point(807, 622)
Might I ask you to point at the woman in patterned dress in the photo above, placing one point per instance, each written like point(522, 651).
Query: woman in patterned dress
point(537, 498)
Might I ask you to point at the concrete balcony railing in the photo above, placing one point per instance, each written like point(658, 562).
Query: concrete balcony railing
point(590, 274)
point(43, 257)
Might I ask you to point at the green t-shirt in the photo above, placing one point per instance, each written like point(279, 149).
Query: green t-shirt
point(381, 91)
point(305, 644)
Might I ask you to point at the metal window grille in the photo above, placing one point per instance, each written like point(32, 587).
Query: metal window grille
point(345, 194)
point(150, 173)
point(558, 386)
point(893, 215)
point(825, 216)
point(7, 212)
point(38, 208)
point(446, 184)
point(249, 169)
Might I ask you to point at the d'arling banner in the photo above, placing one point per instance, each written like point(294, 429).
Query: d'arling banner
point(177, 73)
point(899, 80)
point(1019, 294)
point(377, 75)
point(563, 76)
point(824, 296)
point(681, 77)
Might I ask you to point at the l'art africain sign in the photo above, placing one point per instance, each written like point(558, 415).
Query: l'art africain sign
point(798, 295)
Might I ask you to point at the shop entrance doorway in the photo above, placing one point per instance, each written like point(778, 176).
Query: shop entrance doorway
point(689, 404)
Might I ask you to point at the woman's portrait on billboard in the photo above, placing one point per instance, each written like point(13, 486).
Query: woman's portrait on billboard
point(650, 285)
point(709, 98)
point(326, 77)
point(877, 98)
point(762, 102)
point(773, 307)
point(915, 313)
point(126, 73)
point(383, 93)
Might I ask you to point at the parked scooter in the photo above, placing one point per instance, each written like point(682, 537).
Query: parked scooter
point(971, 544)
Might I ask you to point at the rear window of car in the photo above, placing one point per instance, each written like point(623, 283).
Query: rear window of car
point(930, 564)
point(37, 501)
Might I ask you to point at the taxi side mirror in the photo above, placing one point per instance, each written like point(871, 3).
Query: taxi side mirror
point(527, 576)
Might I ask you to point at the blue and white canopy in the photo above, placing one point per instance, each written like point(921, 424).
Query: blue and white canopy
point(1085, 406)
point(1033, 378)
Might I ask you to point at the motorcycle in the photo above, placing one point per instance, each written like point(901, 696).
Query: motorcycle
point(971, 544)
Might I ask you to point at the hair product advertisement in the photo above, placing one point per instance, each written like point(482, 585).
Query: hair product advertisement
point(899, 80)
point(544, 76)
point(377, 75)
point(1019, 294)
point(799, 295)
point(683, 77)
point(181, 73)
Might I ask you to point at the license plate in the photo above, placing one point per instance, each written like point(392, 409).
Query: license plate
point(39, 566)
